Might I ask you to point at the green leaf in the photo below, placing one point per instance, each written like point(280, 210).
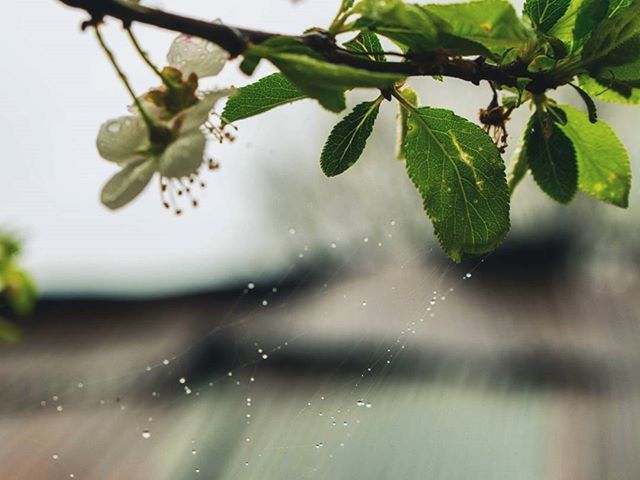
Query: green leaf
point(615, 41)
point(367, 42)
point(314, 76)
point(348, 138)
point(410, 95)
point(579, 21)
point(544, 14)
point(551, 157)
point(603, 162)
point(617, 6)
point(611, 90)
point(20, 291)
point(407, 24)
point(267, 93)
point(283, 43)
point(460, 175)
point(591, 106)
point(519, 168)
point(327, 82)
point(493, 24)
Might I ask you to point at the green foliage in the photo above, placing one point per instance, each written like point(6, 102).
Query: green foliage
point(267, 93)
point(615, 41)
point(603, 162)
point(348, 138)
point(367, 42)
point(544, 14)
point(493, 24)
point(17, 289)
point(459, 173)
point(455, 164)
point(588, 101)
point(409, 25)
point(551, 157)
point(317, 78)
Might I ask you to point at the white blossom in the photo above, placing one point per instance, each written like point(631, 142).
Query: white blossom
point(194, 55)
point(178, 153)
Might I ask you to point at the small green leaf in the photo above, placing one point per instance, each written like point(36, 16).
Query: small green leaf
point(519, 168)
point(314, 76)
point(610, 90)
point(541, 63)
point(603, 162)
point(588, 101)
point(348, 138)
point(558, 47)
point(460, 176)
point(367, 42)
point(544, 14)
point(326, 81)
point(267, 93)
point(407, 24)
point(493, 24)
point(552, 158)
point(410, 95)
point(20, 291)
point(578, 22)
point(615, 41)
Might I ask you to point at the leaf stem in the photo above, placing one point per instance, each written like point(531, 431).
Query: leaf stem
point(147, 60)
point(123, 77)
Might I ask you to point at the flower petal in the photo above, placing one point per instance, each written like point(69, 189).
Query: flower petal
point(183, 156)
point(120, 138)
point(195, 55)
point(193, 117)
point(127, 184)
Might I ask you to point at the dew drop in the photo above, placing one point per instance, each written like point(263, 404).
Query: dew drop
point(334, 245)
point(114, 127)
point(182, 380)
point(55, 456)
point(292, 231)
point(251, 285)
point(146, 434)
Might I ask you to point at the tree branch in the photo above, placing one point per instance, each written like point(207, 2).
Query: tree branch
point(236, 41)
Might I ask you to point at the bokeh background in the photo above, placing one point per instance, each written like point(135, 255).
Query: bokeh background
point(296, 326)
